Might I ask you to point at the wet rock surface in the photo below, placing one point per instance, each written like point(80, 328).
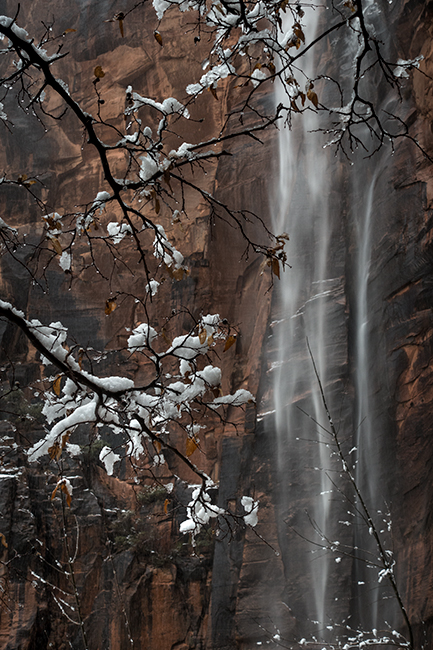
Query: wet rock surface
point(135, 575)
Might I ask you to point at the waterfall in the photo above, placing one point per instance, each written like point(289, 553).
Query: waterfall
point(323, 305)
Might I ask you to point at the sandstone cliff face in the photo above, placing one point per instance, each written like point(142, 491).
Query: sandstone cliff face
point(136, 577)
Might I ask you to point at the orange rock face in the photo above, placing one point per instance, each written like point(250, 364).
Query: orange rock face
point(135, 577)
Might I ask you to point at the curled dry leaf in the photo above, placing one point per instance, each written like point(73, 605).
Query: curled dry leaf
point(98, 72)
point(213, 91)
point(191, 446)
point(276, 268)
point(312, 96)
point(230, 340)
point(158, 37)
point(55, 451)
point(56, 245)
point(57, 385)
point(110, 306)
point(64, 488)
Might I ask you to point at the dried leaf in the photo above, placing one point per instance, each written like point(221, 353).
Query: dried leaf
point(121, 27)
point(157, 445)
point(158, 37)
point(276, 268)
point(210, 340)
point(57, 385)
point(229, 342)
point(202, 335)
point(166, 504)
point(213, 91)
point(69, 31)
point(98, 72)
point(3, 540)
point(64, 489)
point(177, 274)
point(271, 67)
point(191, 446)
point(312, 96)
point(110, 306)
point(54, 453)
point(55, 491)
point(297, 30)
point(65, 438)
point(21, 178)
point(294, 107)
point(157, 205)
point(56, 245)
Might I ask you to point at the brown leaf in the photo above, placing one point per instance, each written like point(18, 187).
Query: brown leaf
point(191, 446)
point(177, 274)
point(297, 30)
point(57, 385)
point(294, 107)
point(312, 96)
point(202, 335)
point(64, 489)
point(110, 306)
point(276, 268)
point(157, 445)
point(98, 72)
point(158, 37)
point(56, 245)
point(157, 205)
point(65, 438)
point(54, 491)
point(213, 91)
point(3, 540)
point(271, 67)
point(121, 27)
point(21, 178)
point(166, 504)
point(55, 452)
point(229, 342)
point(69, 31)
point(210, 340)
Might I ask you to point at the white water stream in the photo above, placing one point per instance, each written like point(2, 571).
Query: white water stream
point(313, 304)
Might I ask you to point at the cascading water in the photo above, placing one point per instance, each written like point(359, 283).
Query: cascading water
point(323, 304)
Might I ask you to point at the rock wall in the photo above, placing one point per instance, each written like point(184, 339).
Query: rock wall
point(136, 577)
